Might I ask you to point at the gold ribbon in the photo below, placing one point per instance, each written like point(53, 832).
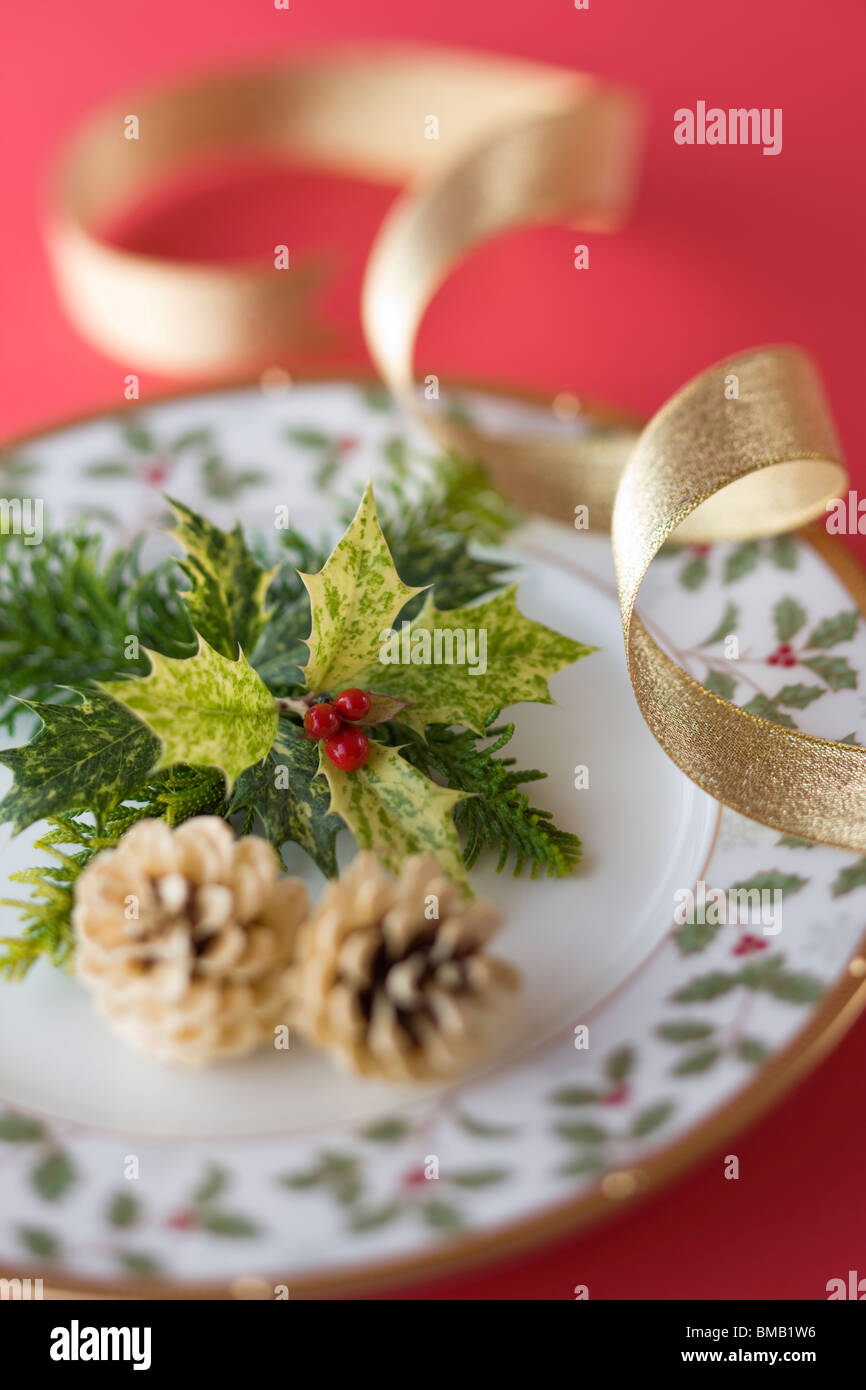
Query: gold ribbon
point(748, 449)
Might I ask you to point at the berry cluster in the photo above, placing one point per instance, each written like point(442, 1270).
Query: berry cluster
point(334, 721)
point(782, 656)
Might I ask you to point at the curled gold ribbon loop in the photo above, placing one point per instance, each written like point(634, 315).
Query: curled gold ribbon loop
point(362, 112)
point(747, 449)
point(759, 464)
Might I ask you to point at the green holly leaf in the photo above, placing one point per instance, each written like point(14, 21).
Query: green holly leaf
point(696, 1062)
point(575, 1095)
point(741, 561)
point(442, 1216)
point(768, 709)
point(582, 1132)
point(138, 1264)
point(619, 1064)
point(484, 1129)
point(39, 1242)
point(751, 1050)
point(581, 1167)
point(703, 987)
point(687, 1031)
point(478, 1177)
point(20, 1129)
point(227, 599)
point(293, 803)
point(88, 755)
point(354, 599)
point(692, 937)
point(224, 1223)
point(53, 1175)
point(771, 977)
point(771, 881)
point(794, 842)
point(693, 574)
point(395, 810)
point(372, 1218)
point(847, 879)
point(725, 626)
point(833, 630)
point(720, 683)
point(204, 709)
point(652, 1118)
point(520, 654)
point(138, 436)
point(783, 552)
point(834, 670)
point(387, 1131)
point(212, 1185)
point(789, 617)
point(123, 1210)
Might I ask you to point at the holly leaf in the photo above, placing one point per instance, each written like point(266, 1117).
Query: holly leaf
point(799, 696)
point(769, 709)
point(704, 987)
point(721, 684)
point(652, 1118)
point(770, 882)
point(292, 802)
point(354, 598)
point(789, 617)
point(725, 625)
point(85, 755)
point(687, 1031)
point(794, 987)
point(693, 574)
point(833, 630)
point(696, 1062)
point(227, 600)
point(619, 1064)
point(783, 552)
point(834, 670)
point(741, 561)
point(512, 658)
point(851, 877)
point(204, 709)
point(395, 810)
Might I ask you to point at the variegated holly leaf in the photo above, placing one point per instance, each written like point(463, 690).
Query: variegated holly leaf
point(204, 709)
point(395, 810)
point(227, 599)
point(290, 798)
point(464, 662)
point(354, 598)
point(85, 756)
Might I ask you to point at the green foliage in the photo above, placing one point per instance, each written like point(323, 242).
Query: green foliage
point(71, 842)
point(167, 720)
point(66, 612)
point(496, 814)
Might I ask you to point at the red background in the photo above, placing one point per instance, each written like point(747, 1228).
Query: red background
point(727, 249)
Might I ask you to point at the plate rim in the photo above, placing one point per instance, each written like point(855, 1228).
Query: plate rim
point(838, 1009)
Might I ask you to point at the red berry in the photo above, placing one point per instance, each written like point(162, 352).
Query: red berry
point(182, 1220)
point(414, 1178)
point(156, 473)
point(353, 704)
point(618, 1095)
point(748, 943)
point(349, 749)
point(322, 721)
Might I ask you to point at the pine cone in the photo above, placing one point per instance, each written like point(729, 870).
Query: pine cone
point(391, 991)
point(185, 936)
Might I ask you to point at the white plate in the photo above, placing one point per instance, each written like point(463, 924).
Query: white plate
point(315, 1179)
